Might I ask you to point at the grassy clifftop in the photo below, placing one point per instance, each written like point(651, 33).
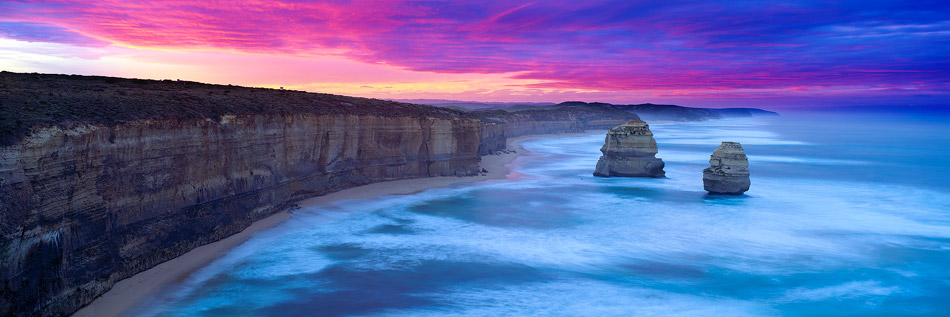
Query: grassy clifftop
point(31, 100)
point(28, 100)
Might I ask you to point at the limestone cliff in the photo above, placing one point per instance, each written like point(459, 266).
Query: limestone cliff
point(493, 138)
point(728, 172)
point(101, 178)
point(87, 206)
point(630, 151)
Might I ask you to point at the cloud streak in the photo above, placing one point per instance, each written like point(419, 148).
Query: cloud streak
point(581, 45)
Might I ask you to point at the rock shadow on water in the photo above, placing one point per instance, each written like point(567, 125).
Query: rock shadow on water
point(726, 199)
point(358, 291)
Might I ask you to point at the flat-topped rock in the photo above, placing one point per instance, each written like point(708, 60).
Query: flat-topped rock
point(630, 151)
point(728, 172)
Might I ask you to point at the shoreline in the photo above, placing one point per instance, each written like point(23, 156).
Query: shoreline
point(129, 292)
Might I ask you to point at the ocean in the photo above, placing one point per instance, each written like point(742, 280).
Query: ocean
point(848, 214)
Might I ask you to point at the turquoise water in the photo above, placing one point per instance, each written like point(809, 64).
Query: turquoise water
point(846, 216)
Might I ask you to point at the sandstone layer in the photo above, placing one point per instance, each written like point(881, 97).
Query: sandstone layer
point(728, 172)
point(630, 151)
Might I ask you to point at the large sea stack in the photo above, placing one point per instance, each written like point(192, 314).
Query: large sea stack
point(630, 151)
point(728, 172)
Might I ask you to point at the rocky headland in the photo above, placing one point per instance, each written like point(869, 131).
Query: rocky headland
point(630, 151)
point(102, 178)
point(728, 172)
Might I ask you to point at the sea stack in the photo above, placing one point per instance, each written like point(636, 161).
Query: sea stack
point(630, 151)
point(728, 172)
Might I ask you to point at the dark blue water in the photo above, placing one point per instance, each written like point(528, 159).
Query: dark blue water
point(846, 216)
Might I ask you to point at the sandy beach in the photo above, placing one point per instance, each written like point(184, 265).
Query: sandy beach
point(127, 293)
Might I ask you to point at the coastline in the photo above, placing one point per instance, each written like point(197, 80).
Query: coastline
point(129, 292)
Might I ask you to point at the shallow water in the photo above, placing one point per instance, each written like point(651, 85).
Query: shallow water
point(845, 216)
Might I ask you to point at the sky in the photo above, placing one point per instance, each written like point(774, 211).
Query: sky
point(694, 53)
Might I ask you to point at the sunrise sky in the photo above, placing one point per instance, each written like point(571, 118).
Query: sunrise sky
point(700, 53)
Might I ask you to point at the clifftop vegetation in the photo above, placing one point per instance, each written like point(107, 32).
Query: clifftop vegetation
point(28, 100)
point(31, 100)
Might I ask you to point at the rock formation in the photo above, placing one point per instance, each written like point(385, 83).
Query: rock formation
point(630, 151)
point(88, 206)
point(728, 172)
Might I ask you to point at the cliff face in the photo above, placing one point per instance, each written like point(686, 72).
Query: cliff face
point(86, 206)
point(630, 151)
point(493, 138)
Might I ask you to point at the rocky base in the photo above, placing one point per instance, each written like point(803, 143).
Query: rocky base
point(724, 184)
point(629, 167)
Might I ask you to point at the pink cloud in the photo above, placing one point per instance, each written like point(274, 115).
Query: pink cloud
point(599, 45)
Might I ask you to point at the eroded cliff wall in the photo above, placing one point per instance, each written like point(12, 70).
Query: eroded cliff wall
point(86, 206)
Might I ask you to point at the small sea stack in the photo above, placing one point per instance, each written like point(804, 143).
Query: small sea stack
point(630, 151)
point(728, 172)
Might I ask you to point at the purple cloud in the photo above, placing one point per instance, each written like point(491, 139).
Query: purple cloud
point(596, 45)
point(31, 32)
